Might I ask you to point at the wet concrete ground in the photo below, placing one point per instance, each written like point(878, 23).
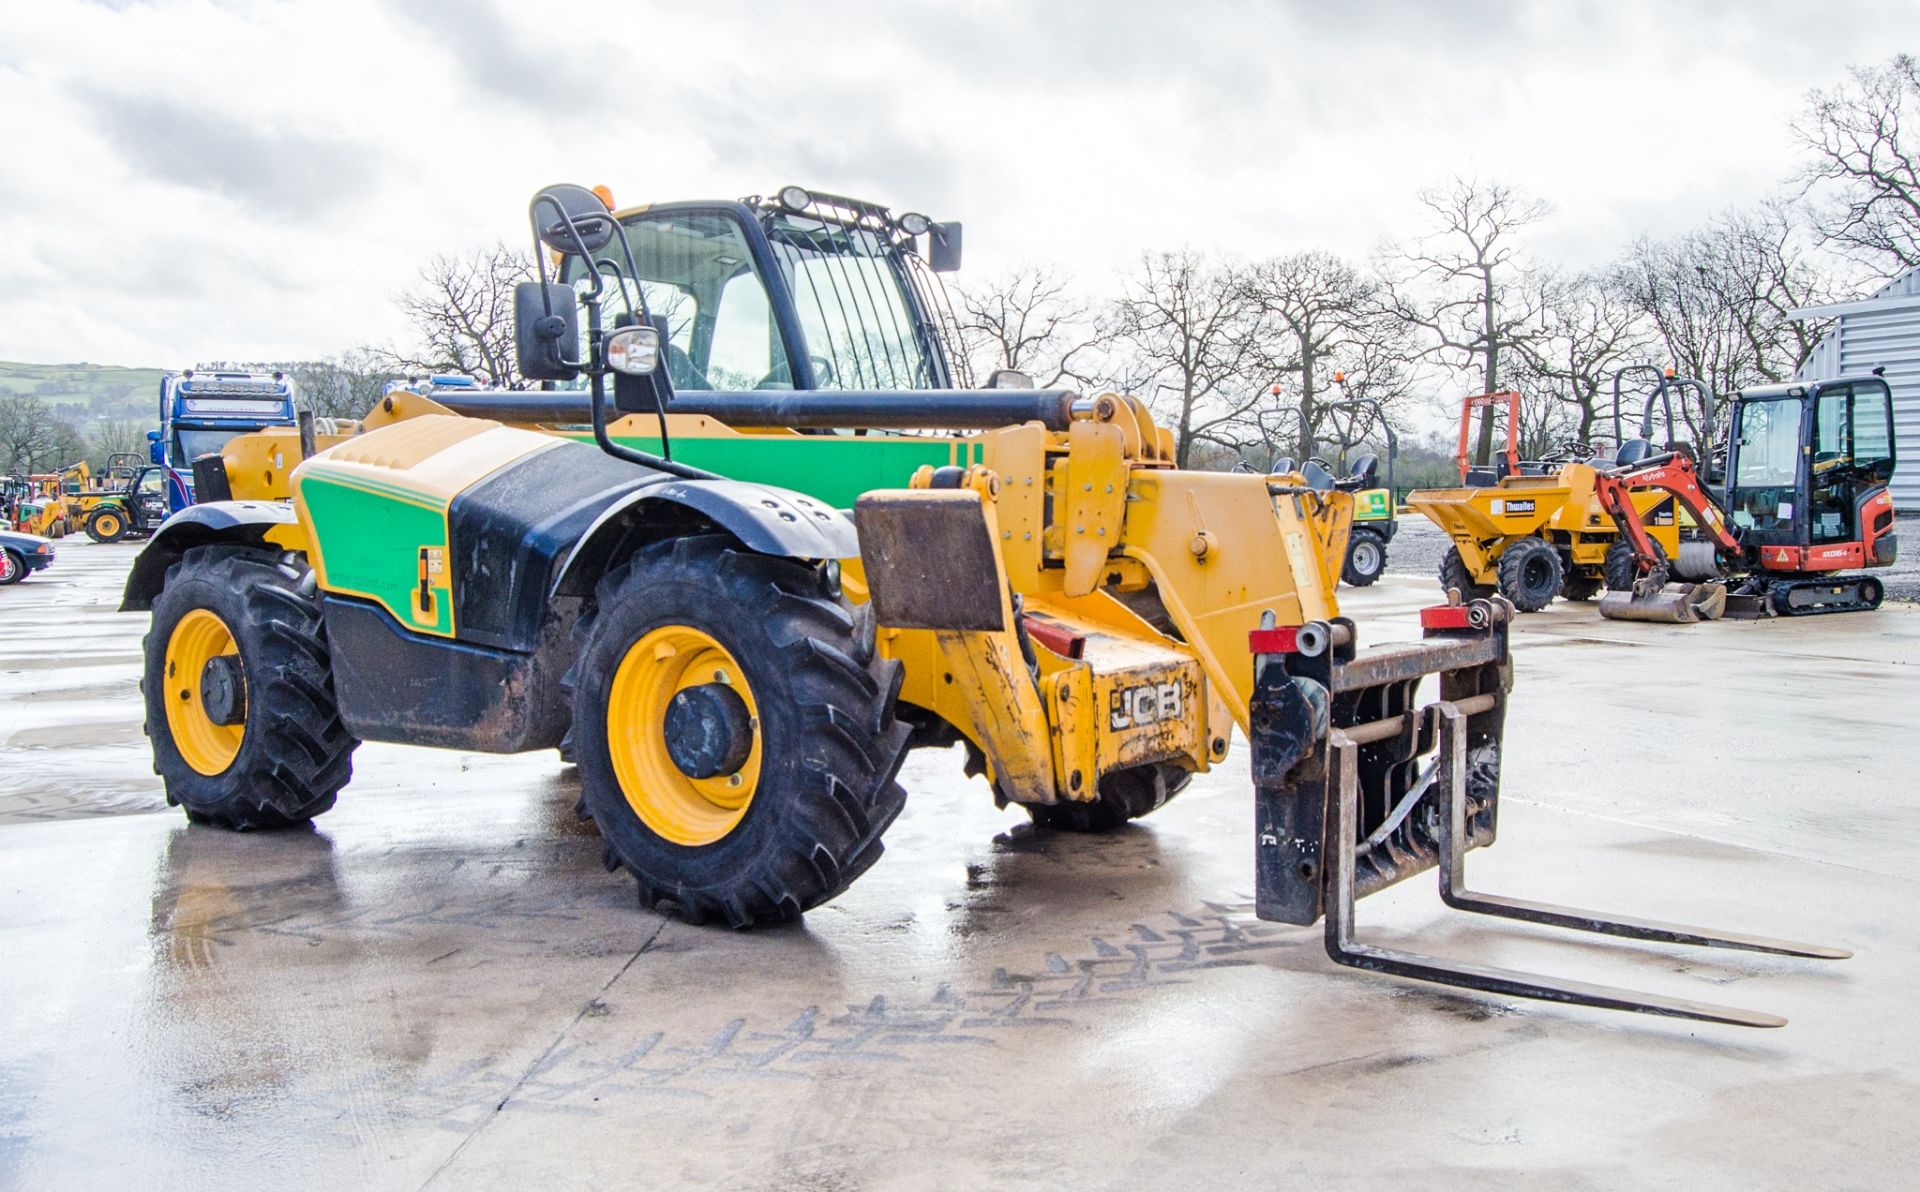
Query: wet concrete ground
point(440, 987)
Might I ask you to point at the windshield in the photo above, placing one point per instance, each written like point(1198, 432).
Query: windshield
point(848, 292)
point(189, 445)
point(1769, 443)
point(1766, 465)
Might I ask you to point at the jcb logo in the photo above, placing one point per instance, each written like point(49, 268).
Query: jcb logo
point(1149, 703)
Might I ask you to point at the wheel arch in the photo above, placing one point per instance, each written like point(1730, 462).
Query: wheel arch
point(762, 518)
point(242, 523)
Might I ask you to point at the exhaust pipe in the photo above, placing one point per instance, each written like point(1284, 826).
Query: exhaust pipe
point(1675, 604)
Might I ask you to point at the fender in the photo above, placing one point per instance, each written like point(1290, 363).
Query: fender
point(772, 521)
point(242, 522)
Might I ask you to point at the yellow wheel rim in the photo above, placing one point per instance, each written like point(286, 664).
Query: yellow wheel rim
point(206, 746)
point(108, 525)
point(683, 809)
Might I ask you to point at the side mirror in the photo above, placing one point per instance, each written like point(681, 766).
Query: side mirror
point(1366, 470)
point(546, 330)
point(589, 214)
point(1009, 378)
point(943, 247)
point(153, 436)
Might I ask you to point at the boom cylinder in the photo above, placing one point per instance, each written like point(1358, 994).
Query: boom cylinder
point(815, 409)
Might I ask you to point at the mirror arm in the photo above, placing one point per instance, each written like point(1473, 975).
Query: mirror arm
point(597, 372)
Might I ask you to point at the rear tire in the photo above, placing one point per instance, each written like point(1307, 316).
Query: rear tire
point(13, 566)
point(1124, 795)
point(821, 748)
point(1620, 572)
point(1530, 574)
point(1366, 558)
point(292, 753)
point(107, 525)
point(1454, 577)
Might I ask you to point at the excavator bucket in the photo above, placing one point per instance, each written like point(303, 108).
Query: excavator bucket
point(1673, 604)
point(1360, 784)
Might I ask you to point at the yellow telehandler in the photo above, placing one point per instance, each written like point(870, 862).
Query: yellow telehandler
point(652, 561)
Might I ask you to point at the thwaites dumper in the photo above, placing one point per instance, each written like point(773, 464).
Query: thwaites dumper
point(737, 667)
point(1532, 530)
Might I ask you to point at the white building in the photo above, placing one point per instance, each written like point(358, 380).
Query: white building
point(1882, 331)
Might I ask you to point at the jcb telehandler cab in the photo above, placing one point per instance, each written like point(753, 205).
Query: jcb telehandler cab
point(741, 670)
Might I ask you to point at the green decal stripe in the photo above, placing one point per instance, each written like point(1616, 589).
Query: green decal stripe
point(382, 488)
point(370, 541)
point(834, 469)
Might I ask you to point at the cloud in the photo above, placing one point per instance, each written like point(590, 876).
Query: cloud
point(251, 178)
point(274, 167)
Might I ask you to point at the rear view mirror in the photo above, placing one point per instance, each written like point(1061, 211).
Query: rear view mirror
point(589, 217)
point(546, 330)
point(943, 247)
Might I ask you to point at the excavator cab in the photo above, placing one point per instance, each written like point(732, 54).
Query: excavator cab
point(1807, 471)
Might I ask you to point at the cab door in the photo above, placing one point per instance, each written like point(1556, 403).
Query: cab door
point(1850, 454)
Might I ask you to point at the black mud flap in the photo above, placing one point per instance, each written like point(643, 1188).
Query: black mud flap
point(1359, 785)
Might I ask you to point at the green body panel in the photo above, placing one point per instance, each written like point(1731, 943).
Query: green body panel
point(1375, 504)
point(371, 539)
point(835, 469)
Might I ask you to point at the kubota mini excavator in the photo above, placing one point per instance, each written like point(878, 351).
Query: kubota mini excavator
point(1804, 498)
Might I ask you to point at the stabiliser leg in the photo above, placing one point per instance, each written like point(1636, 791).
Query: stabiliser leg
point(1343, 949)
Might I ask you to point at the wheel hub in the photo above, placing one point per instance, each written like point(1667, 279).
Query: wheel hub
point(708, 730)
point(222, 691)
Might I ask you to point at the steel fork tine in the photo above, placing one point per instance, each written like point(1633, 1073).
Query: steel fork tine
point(1343, 949)
point(1453, 876)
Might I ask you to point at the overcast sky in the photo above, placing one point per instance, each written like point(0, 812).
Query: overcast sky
point(235, 180)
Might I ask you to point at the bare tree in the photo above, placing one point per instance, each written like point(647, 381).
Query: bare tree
point(33, 438)
point(1032, 319)
point(1589, 330)
point(116, 436)
point(1193, 339)
point(462, 316)
point(345, 386)
point(1325, 317)
point(1462, 283)
point(1718, 300)
point(1864, 171)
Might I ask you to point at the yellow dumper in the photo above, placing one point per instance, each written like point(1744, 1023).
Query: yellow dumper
point(1532, 531)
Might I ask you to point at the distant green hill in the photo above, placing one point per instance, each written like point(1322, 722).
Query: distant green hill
point(87, 393)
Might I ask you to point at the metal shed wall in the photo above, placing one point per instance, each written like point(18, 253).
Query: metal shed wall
point(1883, 331)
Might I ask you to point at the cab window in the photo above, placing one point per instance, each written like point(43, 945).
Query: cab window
point(696, 274)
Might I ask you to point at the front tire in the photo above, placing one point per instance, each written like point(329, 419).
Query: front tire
point(1366, 558)
point(735, 751)
point(1454, 577)
point(1620, 572)
point(239, 693)
point(107, 525)
point(13, 566)
point(1530, 574)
